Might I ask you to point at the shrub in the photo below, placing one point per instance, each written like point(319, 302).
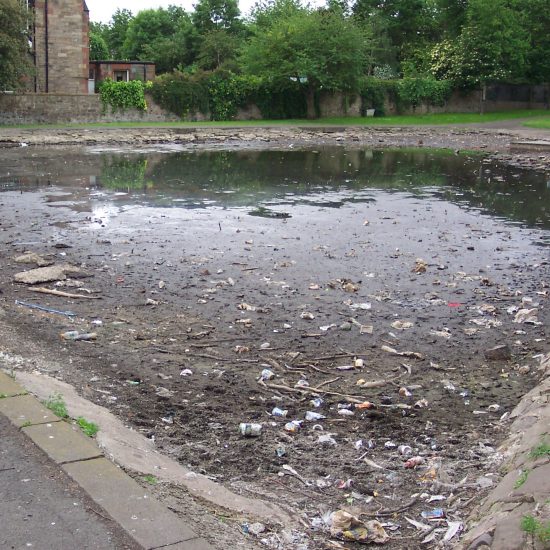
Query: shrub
point(181, 93)
point(123, 95)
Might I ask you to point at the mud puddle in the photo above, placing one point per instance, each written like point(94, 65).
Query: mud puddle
point(366, 287)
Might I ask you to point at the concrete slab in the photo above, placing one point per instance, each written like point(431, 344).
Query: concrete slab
point(131, 506)
point(25, 409)
point(9, 387)
point(63, 442)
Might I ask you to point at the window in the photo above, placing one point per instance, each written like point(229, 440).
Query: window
point(120, 76)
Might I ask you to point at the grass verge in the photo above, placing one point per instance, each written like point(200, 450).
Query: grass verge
point(542, 123)
point(397, 120)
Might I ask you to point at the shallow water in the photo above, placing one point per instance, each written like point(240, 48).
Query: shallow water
point(273, 183)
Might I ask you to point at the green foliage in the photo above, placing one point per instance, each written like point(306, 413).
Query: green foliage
point(280, 103)
point(150, 27)
point(151, 479)
point(14, 57)
point(123, 95)
point(320, 49)
point(181, 93)
point(374, 92)
point(493, 46)
point(414, 91)
point(89, 428)
point(536, 528)
point(227, 92)
point(98, 47)
point(217, 47)
point(212, 15)
point(541, 450)
point(57, 405)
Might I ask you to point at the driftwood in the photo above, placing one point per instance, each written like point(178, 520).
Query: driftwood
point(43, 290)
point(349, 398)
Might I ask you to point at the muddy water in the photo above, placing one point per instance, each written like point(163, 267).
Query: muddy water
point(233, 248)
point(271, 183)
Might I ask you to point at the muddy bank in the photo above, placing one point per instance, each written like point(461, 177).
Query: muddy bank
point(407, 323)
point(492, 139)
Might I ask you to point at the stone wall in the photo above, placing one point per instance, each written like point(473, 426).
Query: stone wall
point(70, 108)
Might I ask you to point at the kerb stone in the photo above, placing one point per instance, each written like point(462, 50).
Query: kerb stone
point(132, 507)
point(63, 442)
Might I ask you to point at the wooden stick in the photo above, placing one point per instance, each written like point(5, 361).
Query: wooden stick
point(43, 290)
point(350, 398)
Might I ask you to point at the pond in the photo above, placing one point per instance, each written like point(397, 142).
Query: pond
point(272, 183)
point(374, 284)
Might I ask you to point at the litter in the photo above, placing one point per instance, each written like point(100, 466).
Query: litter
point(44, 308)
point(75, 335)
point(347, 527)
point(435, 514)
point(250, 429)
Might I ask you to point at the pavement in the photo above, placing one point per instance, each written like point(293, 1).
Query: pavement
point(58, 490)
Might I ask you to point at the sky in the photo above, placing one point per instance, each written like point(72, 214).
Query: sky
point(101, 10)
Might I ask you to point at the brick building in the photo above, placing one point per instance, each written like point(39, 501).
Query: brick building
point(121, 70)
point(60, 47)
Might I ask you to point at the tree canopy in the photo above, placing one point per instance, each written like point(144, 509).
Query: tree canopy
point(14, 49)
point(320, 49)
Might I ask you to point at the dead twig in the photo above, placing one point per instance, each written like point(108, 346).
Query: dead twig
point(326, 383)
point(385, 513)
point(43, 290)
point(350, 398)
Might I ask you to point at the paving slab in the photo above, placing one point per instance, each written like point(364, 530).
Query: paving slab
point(9, 387)
point(42, 508)
point(63, 442)
point(23, 410)
point(132, 507)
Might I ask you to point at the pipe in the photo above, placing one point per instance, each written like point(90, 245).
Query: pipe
point(46, 54)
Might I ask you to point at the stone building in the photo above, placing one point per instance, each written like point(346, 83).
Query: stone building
point(60, 47)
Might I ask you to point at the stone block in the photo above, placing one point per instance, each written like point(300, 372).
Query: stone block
point(63, 442)
point(9, 387)
point(25, 409)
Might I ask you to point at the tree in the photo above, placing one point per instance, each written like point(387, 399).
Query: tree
point(212, 15)
point(493, 46)
point(217, 48)
point(116, 32)
point(14, 50)
point(319, 49)
point(98, 47)
point(535, 15)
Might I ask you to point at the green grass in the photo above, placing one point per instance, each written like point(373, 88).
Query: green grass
point(57, 405)
point(541, 450)
point(522, 478)
point(3, 395)
point(150, 479)
point(89, 428)
point(26, 424)
point(397, 120)
point(534, 527)
point(543, 123)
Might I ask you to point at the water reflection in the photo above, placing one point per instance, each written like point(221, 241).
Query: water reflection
point(269, 183)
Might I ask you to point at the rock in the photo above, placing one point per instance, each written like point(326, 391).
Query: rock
point(48, 274)
point(499, 353)
point(256, 528)
point(33, 258)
